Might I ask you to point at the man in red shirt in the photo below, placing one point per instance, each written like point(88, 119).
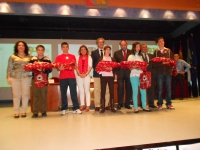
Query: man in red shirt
point(67, 78)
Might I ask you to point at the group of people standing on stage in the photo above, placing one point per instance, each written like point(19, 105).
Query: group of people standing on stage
point(127, 79)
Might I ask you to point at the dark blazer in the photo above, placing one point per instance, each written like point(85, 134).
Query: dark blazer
point(160, 67)
point(150, 66)
point(95, 59)
point(118, 56)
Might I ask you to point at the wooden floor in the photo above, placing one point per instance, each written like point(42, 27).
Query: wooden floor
point(97, 131)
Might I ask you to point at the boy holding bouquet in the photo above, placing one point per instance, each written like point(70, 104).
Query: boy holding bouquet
point(67, 78)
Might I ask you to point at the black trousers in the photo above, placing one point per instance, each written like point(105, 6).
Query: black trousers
point(121, 90)
point(150, 90)
point(104, 81)
point(178, 79)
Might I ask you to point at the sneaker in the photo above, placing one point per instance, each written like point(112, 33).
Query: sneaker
point(170, 107)
point(77, 111)
point(63, 112)
point(159, 107)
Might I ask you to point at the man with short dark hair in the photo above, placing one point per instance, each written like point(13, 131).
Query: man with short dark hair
point(67, 78)
point(181, 67)
point(163, 73)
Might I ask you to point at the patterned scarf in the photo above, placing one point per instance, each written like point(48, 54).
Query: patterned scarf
point(83, 64)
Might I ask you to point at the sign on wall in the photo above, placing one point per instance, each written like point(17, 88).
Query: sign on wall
point(96, 4)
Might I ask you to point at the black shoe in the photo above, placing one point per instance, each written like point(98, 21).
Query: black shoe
point(112, 110)
point(147, 110)
point(128, 107)
point(181, 98)
point(35, 116)
point(152, 106)
point(107, 108)
point(97, 108)
point(136, 111)
point(44, 115)
point(119, 107)
point(102, 110)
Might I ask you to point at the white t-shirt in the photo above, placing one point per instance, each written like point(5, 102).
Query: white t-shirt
point(104, 73)
point(135, 72)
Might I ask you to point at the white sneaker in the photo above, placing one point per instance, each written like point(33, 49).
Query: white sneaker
point(77, 111)
point(63, 112)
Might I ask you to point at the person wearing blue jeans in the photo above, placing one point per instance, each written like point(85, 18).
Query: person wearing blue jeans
point(163, 73)
point(166, 79)
point(134, 78)
point(64, 83)
point(67, 79)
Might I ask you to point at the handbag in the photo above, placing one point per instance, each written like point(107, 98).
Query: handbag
point(145, 80)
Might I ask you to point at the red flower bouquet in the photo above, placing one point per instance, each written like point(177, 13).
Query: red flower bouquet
point(106, 65)
point(39, 65)
point(129, 64)
point(67, 66)
point(163, 59)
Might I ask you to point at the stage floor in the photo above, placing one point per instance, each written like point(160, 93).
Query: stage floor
point(96, 131)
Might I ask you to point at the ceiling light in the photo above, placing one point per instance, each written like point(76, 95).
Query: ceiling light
point(191, 15)
point(145, 14)
point(120, 13)
point(5, 8)
point(64, 10)
point(36, 9)
point(168, 14)
point(93, 12)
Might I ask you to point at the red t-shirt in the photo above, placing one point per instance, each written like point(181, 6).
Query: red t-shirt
point(66, 58)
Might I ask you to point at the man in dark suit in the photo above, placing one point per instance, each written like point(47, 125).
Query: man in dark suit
point(150, 91)
point(123, 76)
point(96, 54)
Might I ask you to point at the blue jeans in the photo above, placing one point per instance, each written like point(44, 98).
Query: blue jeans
point(135, 83)
point(64, 83)
point(161, 78)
